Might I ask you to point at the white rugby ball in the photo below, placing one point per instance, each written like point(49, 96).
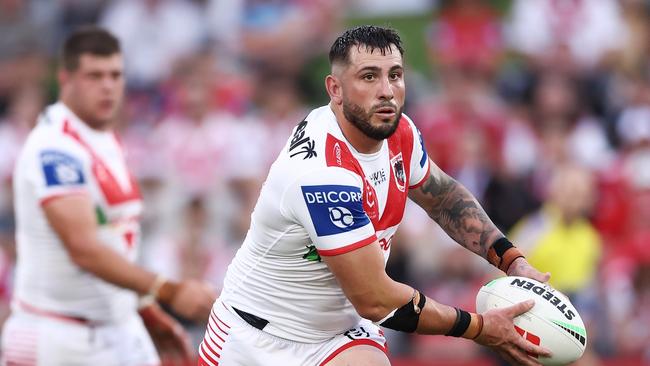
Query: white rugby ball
point(553, 322)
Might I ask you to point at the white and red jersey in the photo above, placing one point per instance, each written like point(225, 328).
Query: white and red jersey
point(321, 198)
point(63, 156)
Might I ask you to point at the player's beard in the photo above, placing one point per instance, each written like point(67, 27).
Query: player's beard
point(361, 120)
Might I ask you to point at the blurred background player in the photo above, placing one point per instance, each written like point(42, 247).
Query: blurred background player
point(77, 290)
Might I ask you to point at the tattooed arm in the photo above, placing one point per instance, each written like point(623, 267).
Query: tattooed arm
point(456, 210)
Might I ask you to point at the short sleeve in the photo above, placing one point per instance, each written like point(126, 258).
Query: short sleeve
point(57, 171)
point(419, 159)
point(328, 203)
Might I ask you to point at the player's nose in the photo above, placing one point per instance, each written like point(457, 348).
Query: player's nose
point(385, 90)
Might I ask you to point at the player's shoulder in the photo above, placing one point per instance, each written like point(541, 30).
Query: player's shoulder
point(305, 147)
point(49, 135)
point(309, 149)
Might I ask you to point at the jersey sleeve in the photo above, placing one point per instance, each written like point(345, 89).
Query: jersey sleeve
point(57, 170)
point(328, 203)
point(419, 159)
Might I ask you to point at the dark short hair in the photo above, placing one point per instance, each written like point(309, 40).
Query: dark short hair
point(370, 36)
point(87, 40)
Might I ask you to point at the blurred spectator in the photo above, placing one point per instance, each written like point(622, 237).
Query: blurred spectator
point(154, 34)
point(389, 8)
point(23, 48)
point(621, 208)
point(75, 13)
point(632, 334)
point(463, 128)
point(192, 251)
point(634, 48)
point(555, 128)
point(276, 35)
point(24, 107)
point(559, 238)
point(278, 107)
point(191, 136)
point(573, 35)
point(207, 151)
point(467, 33)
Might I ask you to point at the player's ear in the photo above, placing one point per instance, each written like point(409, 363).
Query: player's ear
point(333, 87)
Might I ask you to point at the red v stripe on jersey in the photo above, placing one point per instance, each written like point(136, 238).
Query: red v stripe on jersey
point(338, 154)
point(113, 192)
point(400, 142)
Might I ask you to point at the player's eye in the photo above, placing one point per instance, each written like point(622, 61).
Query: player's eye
point(368, 77)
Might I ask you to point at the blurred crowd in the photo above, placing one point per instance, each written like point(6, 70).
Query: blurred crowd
point(540, 107)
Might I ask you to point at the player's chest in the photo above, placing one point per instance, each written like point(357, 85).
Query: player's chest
point(384, 188)
point(113, 181)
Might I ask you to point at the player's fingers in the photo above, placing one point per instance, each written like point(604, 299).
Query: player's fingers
point(509, 359)
point(177, 341)
point(520, 308)
point(545, 277)
point(533, 349)
point(521, 358)
point(185, 347)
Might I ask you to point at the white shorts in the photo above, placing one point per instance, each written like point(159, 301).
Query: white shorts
point(29, 340)
point(230, 341)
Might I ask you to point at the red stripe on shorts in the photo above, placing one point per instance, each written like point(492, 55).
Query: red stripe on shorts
point(212, 317)
point(203, 362)
point(222, 322)
point(205, 354)
point(215, 333)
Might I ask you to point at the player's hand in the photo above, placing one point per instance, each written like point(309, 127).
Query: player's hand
point(169, 337)
point(499, 334)
point(521, 267)
point(193, 300)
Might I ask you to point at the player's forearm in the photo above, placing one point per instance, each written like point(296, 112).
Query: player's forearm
point(110, 266)
point(437, 318)
point(456, 210)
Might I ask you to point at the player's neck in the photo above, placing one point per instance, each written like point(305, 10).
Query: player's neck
point(359, 140)
point(95, 125)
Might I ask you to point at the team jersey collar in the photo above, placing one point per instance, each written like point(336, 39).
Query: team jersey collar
point(63, 113)
point(339, 135)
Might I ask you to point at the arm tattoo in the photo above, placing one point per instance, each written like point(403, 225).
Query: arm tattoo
point(454, 208)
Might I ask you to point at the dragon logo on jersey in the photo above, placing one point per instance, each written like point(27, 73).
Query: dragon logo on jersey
point(335, 209)
point(306, 144)
point(312, 254)
point(398, 171)
point(61, 169)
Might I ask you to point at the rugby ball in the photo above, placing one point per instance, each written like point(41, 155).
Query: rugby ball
point(553, 322)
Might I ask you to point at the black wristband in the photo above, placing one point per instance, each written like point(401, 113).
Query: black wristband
point(461, 324)
point(501, 246)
